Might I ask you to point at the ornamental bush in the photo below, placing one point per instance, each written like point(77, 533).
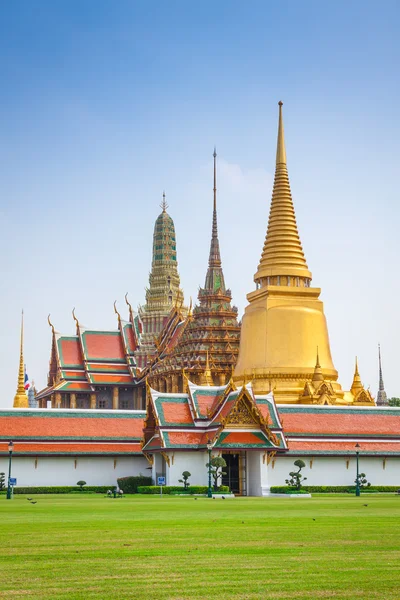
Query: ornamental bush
point(129, 485)
point(296, 478)
point(61, 489)
point(2, 481)
point(333, 489)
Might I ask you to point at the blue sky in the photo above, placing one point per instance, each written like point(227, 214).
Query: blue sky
point(104, 105)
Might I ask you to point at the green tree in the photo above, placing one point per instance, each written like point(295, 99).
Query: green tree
point(81, 484)
point(394, 401)
point(217, 464)
point(184, 480)
point(296, 478)
point(2, 481)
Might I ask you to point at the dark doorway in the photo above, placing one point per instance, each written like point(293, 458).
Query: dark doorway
point(231, 478)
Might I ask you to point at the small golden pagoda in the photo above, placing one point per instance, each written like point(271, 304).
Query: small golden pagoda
point(358, 392)
point(20, 398)
point(284, 322)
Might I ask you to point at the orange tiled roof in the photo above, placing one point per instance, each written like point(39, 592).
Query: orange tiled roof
point(38, 424)
point(339, 421)
point(343, 447)
point(71, 448)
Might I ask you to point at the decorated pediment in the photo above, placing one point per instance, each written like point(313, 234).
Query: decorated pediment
point(243, 414)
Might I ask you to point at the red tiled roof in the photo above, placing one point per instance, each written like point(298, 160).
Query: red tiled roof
point(340, 422)
point(70, 352)
point(183, 438)
point(329, 447)
point(53, 424)
point(71, 448)
point(99, 345)
point(176, 413)
point(109, 378)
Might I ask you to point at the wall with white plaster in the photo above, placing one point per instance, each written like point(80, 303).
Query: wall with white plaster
point(194, 462)
point(60, 470)
point(329, 470)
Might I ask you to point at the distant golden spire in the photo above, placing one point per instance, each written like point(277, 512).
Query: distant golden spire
point(20, 398)
point(207, 372)
point(317, 375)
point(356, 386)
point(282, 254)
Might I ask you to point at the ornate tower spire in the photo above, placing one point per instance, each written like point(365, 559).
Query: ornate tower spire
point(282, 260)
point(215, 277)
point(381, 399)
point(20, 398)
point(356, 386)
point(164, 285)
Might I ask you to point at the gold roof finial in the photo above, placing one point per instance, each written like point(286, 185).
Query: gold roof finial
point(280, 147)
point(75, 319)
point(116, 311)
point(282, 254)
point(164, 203)
point(51, 324)
point(190, 311)
point(20, 398)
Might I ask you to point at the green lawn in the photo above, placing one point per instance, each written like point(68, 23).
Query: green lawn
point(88, 546)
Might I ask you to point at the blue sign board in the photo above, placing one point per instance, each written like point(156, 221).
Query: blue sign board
point(13, 481)
point(160, 480)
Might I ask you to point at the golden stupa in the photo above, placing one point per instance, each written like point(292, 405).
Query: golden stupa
point(20, 398)
point(284, 323)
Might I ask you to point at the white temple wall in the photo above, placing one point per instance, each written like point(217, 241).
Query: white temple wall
point(194, 462)
point(60, 470)
point(257, 474)
point(330, 470)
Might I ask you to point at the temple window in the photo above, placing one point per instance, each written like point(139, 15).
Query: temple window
point(102, 403)
point(124, 404)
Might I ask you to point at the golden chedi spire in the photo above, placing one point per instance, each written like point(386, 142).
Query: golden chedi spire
point(282, 255)
point(318, 374)
point(20, 398)
point(356, 386)
point(284, 321)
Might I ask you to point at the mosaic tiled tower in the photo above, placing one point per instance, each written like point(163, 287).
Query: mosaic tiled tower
point(164, 286)
point(209, 338)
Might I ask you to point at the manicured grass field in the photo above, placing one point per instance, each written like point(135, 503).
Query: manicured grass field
point(88, 546)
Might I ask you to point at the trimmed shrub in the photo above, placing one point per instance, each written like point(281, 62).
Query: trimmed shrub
point(129, 485)
point(65, 489)
point(333, 489)
point(178, 489)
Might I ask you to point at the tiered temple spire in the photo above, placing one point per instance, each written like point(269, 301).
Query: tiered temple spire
point(164, 285)
point(20, 398)
point(284, 321)
point(209, 339)
point(282, 260)
point(215, 276)
point(381, 399)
